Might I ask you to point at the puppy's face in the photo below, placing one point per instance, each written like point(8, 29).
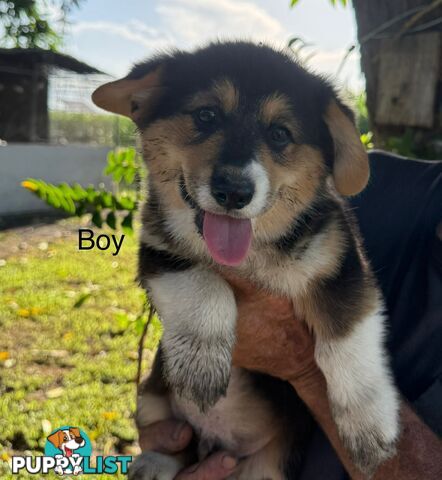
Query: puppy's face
point(235, 154)
point(240, 133)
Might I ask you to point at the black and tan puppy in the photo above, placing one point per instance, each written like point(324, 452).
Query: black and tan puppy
point(247, 154)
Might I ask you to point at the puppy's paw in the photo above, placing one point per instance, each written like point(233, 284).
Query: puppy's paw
point(368, 450)
point(154, 466)
point(198, 369)
point(369, 432)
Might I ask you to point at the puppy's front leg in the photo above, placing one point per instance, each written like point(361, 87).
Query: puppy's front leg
point(362, 397)
point(198, 311)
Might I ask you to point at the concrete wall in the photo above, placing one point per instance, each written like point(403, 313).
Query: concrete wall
point(52, 163)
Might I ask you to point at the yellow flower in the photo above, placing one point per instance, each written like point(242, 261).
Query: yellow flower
point(36, 310)
point(68, 336)
point(24, 312)
point(4, 356)
point(29, 185)
point(109, 415)
point(5, 457)
point(93, 434)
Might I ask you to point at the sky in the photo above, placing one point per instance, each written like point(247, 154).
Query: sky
point(112, 35)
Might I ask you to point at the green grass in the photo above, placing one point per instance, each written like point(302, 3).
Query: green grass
point(61, 365)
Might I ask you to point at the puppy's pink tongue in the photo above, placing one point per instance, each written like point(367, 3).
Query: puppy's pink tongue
point(228, 239)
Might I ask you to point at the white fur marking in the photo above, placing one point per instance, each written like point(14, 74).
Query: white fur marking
point(360, 389)
point(198, 301)
point(258, 174)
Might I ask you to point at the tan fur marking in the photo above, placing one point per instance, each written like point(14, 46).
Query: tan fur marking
point(276, 108)
point(161, 148)
point(222, 93)
point(294, 184)
point(227, 94)
point(169, 154)
point(351, 168)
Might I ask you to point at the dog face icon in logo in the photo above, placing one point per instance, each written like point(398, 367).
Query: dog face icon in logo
point(68, 445)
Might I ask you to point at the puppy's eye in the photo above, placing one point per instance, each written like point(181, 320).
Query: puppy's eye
point(279, 136)
point(206, 117)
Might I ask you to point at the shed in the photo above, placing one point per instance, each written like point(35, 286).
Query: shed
point(24, 77)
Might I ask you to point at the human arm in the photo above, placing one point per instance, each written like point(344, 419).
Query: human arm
point(271, 340)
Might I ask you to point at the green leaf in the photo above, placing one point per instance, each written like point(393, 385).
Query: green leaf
point(106, 199)
point(129, 176)
point(110, 163)
point(140, 321)
point(123, 320)
point(63, 199)
point(126, 224)
point(79, 191)
point(81, 299)
point(42, 191)
point(91, 193)
point(111, 220)
point(52, 197)
point(96, 219)
point(118, 173)
point(126, 203)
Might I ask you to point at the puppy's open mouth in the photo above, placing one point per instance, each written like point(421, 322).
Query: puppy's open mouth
point(228, 239)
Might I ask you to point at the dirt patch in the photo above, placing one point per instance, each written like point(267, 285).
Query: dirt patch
point(18, 240)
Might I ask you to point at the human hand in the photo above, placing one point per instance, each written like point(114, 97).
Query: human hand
point(270, 339)
point(172, 436)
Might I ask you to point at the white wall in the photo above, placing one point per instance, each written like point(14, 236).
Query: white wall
point(52, 163)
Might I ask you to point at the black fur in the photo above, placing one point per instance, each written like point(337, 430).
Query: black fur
point(152, 262)
point(256, 70)
point(307, 225)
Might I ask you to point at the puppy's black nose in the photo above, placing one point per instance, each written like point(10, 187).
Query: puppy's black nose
point(232, 192)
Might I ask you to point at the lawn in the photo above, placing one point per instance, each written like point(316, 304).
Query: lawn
point(68, 343)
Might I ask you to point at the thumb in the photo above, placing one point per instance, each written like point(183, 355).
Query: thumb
point(218, 466)
point(166, 436)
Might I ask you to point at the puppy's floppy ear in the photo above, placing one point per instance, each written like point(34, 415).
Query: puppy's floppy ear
point(56, 438)
point(351, 168)
point(132, 97)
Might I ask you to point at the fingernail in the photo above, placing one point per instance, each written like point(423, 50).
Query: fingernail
point(178, 431)
point(229, 462)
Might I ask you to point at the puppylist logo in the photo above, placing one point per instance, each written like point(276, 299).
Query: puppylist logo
point(68, 451)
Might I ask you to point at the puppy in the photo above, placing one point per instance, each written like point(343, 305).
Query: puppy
point(248, 155)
